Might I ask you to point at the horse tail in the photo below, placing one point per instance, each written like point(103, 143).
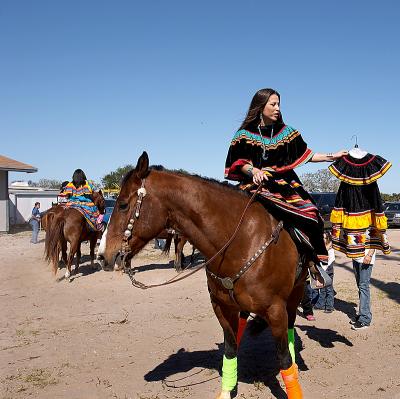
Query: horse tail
point(168, 243)
point(47, 219)
point(54, 236)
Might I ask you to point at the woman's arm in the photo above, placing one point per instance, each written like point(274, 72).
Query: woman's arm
point(257, 174)
point(329, 157)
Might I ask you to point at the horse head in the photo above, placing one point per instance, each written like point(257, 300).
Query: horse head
point(138, 216)
point(99, 201)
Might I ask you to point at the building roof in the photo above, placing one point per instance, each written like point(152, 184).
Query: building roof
point(15, 166)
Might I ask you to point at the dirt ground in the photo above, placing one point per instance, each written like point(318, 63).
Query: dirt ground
point(98, 337)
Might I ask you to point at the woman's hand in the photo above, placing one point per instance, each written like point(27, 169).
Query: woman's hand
point(339, 154)
point(259, 176)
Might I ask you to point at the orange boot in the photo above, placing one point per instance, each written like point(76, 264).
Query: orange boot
point(291, 380)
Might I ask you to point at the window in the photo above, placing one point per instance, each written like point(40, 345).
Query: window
point(393, 207)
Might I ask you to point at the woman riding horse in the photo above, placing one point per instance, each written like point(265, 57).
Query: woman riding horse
point(79, 193)
point(265, 150)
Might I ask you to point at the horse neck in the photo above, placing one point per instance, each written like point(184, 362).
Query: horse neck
point(204, 212)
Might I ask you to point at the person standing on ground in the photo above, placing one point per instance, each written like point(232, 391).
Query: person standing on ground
point(362, 271)
point(306, 303)
point(324, 298)
point(34, 221)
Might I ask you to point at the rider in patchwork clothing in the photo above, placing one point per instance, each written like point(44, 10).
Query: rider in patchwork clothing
point(79, 193)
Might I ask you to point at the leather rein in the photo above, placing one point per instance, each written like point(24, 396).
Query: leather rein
point(226, 282)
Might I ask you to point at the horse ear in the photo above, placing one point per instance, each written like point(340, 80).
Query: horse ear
point(101, 193)
point(142, 166)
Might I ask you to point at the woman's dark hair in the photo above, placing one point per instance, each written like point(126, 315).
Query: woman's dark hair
point(79, 178)
point(257, 105)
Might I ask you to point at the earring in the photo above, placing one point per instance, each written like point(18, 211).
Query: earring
point(261, 119)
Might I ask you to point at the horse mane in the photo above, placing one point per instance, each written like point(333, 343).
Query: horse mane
point(222, 184)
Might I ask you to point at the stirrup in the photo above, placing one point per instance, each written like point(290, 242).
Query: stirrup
point(320, 278)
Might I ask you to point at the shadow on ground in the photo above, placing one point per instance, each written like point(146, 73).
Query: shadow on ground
point(257, 361)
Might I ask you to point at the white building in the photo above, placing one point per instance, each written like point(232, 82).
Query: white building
point(23, 198)
point(7, 165)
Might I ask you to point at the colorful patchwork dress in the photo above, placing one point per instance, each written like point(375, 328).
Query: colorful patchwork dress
point(80, 199)
point(358, 221)
point(279, 150)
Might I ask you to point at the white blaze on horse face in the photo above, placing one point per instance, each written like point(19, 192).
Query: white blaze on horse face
point(102, 245)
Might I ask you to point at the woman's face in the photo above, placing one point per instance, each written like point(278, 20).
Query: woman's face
point(271, 110)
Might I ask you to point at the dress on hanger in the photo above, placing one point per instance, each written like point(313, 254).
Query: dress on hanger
point(358, 220)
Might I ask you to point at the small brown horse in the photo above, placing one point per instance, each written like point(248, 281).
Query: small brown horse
point(208, 212)
point(69, 225)
point(179, 243)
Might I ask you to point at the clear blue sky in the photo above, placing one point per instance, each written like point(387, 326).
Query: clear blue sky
point(91, 84)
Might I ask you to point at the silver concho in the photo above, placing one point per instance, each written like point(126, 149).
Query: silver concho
point(227, 283)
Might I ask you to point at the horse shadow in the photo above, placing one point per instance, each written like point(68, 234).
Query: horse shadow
point(348, 308)
point(257, 364)
point(187, 263)
point(85, 269)
point(153, 266)
point(324, 336)
point(391, 289)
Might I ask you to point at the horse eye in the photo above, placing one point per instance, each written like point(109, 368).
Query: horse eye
point(123, 206)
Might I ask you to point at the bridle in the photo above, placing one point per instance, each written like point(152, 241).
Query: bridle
point(226, 282)
point(125, 249)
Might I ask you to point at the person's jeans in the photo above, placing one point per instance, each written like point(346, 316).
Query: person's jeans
point(306, 300)
point(159, 243)
point(324, 297)
point(362, 273)
point(35, 230)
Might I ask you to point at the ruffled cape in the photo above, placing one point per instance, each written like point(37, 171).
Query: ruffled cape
point(284, 148)
point(360, 172)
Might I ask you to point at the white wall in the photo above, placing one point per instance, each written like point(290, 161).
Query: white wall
point(4, 220)
point(21, 204)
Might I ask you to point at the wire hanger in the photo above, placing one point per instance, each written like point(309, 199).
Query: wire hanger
point(357, 152)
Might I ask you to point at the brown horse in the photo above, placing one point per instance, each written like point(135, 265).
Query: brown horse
point(69, 225)
point(179, 243)
point(208, 212)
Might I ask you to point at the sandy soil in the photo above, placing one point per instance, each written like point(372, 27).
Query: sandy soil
point(98, 337)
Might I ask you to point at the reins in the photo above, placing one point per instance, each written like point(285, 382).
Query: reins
point(227, 282)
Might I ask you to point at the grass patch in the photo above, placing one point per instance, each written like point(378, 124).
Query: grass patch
point(40, 378)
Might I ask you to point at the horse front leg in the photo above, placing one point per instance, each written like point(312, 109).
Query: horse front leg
point(291, 308)
point(228, 318)
point(277, 318)
point(178, 252)
point(93, 241)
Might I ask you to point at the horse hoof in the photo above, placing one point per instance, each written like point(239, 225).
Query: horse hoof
point(224, 395)
point(67, 275)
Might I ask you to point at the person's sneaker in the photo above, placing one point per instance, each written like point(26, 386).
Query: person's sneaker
point(310, 317)
point(353, 320)
point(329, 310)
point(359, 325)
